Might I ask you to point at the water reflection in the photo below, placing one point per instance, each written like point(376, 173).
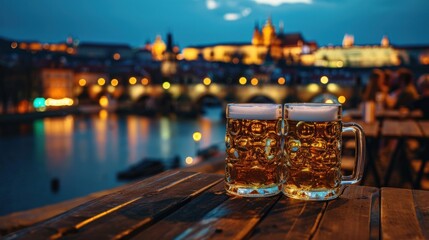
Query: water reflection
point(85, 153)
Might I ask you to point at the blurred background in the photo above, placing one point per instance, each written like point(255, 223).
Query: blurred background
point(91, 89)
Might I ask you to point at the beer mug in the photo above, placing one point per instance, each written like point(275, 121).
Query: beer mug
point(312, 148)
point(253, 142)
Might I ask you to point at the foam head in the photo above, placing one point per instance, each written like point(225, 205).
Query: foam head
point(313, 112)
point(254, 111)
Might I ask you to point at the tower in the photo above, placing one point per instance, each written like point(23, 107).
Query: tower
point(169, 64)
point(158, 48)
point(268, 32)
point(257, 37)
point(385, 41)
point(348, 40)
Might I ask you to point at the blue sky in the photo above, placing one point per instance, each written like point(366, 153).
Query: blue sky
point(195, 22)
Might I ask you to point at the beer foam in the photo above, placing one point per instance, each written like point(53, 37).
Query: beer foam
point(254, 111)
point(312, 112)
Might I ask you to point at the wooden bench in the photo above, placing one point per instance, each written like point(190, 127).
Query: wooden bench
point(189, 205)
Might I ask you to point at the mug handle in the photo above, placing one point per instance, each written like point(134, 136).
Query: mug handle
point(359, 153)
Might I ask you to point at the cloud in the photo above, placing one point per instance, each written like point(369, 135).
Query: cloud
point(276, 3)
point(235, 16)
point(212, 4)
point(231, 16)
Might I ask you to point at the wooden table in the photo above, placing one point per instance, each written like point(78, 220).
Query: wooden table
point(186, 205)
point(401, 130)
point(372, 133)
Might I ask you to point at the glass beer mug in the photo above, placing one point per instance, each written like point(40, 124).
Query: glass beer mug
point(253, 141)
point(312, 148)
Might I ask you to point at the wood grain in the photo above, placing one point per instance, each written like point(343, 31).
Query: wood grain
point(399, 219)
point(424, 125)
point(66, 223)
point(351, 216)
point(290, 219)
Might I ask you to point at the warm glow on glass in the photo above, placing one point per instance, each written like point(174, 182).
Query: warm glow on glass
point(82, 82)
point(114, 82)
point(313, 88)
point(189, 160)
point(58, 102)
point(166, 85)
point(132, 80)
point(104, 101)
point(145, 81)
point(342, 99)
point(281, 80)
point(14, 45)
point(254, 81)
point(207, 81)
point(329, 101)
point(197, 136)
point(242, 80)
point(101, 81)
point(116, 56)
point(324, 80)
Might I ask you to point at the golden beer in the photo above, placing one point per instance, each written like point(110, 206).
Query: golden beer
point(313, 157)
point(253, 150)
point(312, 147)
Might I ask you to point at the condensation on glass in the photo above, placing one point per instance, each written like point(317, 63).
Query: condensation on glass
point(312, 151)
point(253, 165)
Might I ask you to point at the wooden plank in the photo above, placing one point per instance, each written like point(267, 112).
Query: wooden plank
point(424, 125)
point(421, 203)
point(148, 208)
point(399, 219)
point(410, 128)
point(233, 219)
point(390, 128)
point(290, 219)
point(180, 221)
point(351, 216)
point(67, 221)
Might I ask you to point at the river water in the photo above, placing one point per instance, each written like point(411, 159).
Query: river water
point(85, 153)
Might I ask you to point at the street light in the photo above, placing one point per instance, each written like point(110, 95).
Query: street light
point(197, 138)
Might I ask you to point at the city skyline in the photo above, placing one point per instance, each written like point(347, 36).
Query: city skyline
point(199, 22)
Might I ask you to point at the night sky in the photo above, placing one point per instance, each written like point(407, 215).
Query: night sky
point(197, 22)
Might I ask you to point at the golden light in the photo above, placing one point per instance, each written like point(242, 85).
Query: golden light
point(116, 56)
point(340, 64)
point(342, 99)
point(166, 85)
point(14, 45)
point(242, 80)
point(281, 80)
point(332, 87)
point(114, 82)
point(132, 80)
point(145, 81)
point(189, 160)
point(51, 102)
point(254, 81)
point(101, 81)
point(324, 79)
point(329, 101)
point(207, 81)
point(179, 57)
point(313, 87)
point(197, 136)
point(82, 82)
point(110, 89)
point(104, 101)
point(103, 114)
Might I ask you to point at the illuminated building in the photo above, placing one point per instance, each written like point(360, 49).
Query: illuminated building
point(351, 55)
point(158, 48)
point(286, 47)
point(57, 83)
